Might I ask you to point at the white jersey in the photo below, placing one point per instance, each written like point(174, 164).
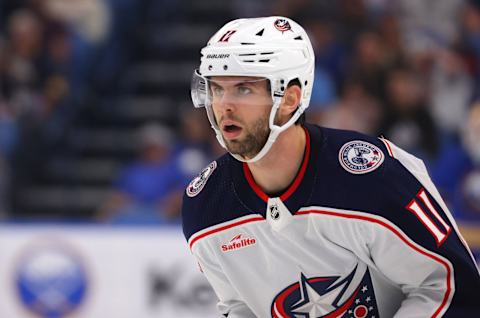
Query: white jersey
point(361, 232)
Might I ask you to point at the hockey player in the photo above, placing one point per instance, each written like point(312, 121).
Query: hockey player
point(303, 221)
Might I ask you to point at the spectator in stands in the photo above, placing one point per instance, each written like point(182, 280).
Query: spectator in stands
point(330, 57)
point(356, 110)
point(391, 39)
point(21, 78)
point(470, 41)
point(21, 86)
point(89, 24)
point(408, 122)
point(353, 19)
point(145, 191)
point(457, 173)
point(428, 26)
point(8, 131)
point(369, 64)
point(8, 124)
point(451, 91)
point(194, 150)
point(4, 188)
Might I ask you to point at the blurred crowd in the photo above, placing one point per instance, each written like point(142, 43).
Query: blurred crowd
point(408, 70)
point(54, 56)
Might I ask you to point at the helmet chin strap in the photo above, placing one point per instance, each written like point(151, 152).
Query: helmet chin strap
point(271, 139)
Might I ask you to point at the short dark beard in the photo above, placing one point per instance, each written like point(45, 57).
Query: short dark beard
point(253, 142)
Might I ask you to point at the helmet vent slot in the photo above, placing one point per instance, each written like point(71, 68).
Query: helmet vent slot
point(298, 38)
point(246, 43)
point(260, 33)
point(266, 53)
point(264, 61)
point(247, 54)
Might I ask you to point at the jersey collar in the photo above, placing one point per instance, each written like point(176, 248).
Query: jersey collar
point(299, 191)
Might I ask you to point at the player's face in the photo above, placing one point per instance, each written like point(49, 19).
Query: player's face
point(242, 107)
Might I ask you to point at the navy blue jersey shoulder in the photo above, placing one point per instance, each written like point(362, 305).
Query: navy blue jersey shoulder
point(341, 182)
point(385, 191)
point(214, 203)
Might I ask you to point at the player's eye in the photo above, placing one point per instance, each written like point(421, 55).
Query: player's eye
point(243, 90)
point(217, 91)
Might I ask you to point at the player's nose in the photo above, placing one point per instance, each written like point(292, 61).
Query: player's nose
point(228, 102)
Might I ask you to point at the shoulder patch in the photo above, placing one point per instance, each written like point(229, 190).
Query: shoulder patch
point(359, 157)
point(197, 184)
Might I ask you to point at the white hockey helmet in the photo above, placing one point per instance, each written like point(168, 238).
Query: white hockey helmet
point(275, 48)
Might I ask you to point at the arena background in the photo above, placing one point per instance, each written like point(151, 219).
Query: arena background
point(98, 136)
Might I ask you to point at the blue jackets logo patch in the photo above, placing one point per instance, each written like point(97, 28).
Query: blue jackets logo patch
point(199, 182)
point(360, 157)
point(315, 297)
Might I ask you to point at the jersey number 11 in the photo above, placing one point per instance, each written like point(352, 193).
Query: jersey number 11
point(439, 234)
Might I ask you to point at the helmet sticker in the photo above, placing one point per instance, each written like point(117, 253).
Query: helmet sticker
point(359, 157)
point(227, 36)
point(197, 184)
point(282, 25)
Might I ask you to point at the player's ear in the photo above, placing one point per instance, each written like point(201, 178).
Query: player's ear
point(291, 100)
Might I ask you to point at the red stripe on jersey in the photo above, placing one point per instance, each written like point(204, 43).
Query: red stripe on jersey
point(301, 173)
point(389, 149)
point(398, 234)
point(253, 184)
point(296, 182)
point(225, 227)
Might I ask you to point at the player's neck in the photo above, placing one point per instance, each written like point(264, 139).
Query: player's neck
point(277, 170)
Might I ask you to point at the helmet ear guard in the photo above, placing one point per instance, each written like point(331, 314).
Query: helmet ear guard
point(275, 48)
point(198, 89)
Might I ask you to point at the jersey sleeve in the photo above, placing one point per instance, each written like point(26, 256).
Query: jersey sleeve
point(418, 247)
point(427, 279)
point(229, 304)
